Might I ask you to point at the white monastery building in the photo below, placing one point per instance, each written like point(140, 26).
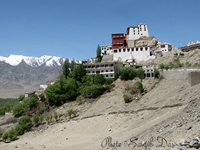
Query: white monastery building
point(135, 32)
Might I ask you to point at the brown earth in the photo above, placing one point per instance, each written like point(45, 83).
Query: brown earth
point(169, 113)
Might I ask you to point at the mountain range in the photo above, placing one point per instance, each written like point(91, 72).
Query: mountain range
point(20, 74)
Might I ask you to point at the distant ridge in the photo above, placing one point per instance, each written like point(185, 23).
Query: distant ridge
point(49, 61)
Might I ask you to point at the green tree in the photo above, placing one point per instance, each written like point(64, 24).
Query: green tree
point(92, 91)
point(65, 68)
point(57, 94)
point(73, 64)
point(127, 73)
point(21, 97)
point(98, 54)
point(78, 72)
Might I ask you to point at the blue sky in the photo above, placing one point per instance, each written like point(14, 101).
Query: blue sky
point(74, 28)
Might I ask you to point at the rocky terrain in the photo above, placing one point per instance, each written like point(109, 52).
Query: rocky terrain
point(166, 117)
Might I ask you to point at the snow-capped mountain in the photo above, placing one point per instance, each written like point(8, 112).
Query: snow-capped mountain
point(49, 61)
point(20, 74)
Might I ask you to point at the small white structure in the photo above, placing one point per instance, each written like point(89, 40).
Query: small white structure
point(149, 71)
point(165, 47)
point(105, 49)
point(43, 87)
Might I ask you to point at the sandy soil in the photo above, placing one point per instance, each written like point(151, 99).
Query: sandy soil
point(168, 113)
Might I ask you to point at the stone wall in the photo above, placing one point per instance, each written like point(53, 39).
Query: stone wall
point(194, 78)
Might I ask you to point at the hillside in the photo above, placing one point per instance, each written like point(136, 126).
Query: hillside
point(170, 110)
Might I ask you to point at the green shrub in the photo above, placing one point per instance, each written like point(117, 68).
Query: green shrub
point(109, 81)
point(140, 87)
point(176, 54)
point(12, 134)
point(1, 132)
point(92, 91)
point(42, 97)
point(127, 98)
point(18, 109)
point(166, 67)
point(26, 123)
point(2, 111)
point(21, 97)
point(127, 73)
point(36, 120)
point(187, 64)
point(140, 73)
point(162, 66)
point(156, 73)
point(5, 136)
point(56, 116)
point(19, 129)
point(71, 112)
point(41, 118)
point(31, 101)
point(61, 91)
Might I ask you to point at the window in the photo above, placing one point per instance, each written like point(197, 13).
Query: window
point(106, 70)
point(162, 46)
point(106, 75)
point(124, 50)
point(115, 51)
point(128, 49)
point(102, 71)
point(141, 48)
point(146, 48)
point(132, 49)
point(136, 49)
point(111, 75)
point(119, 50)
point(111, 70)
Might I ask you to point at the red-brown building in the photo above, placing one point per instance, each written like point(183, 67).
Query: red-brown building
point(118, 40)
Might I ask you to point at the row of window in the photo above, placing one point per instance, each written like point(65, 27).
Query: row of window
point(130, 49)
point(97, 66)
point(105, 48)
point(100, 71)
point(118, 44)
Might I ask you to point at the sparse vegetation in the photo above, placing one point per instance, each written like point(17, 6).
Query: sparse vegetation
point(71, 113)
point(26, 105)
point(156, 73)
point(36, 120)
point(6, 105)
point(128, 98)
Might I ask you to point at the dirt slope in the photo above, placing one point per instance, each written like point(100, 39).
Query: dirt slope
point(170, 112)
